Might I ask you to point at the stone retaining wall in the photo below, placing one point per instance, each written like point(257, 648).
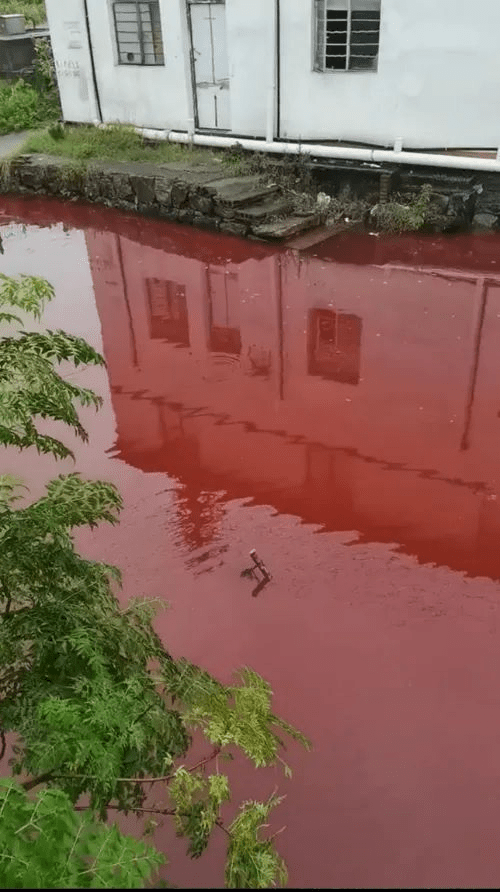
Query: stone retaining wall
point(176, 193)
point(472, 197)
point(206, 196)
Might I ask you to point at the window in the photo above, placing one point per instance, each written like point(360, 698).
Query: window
point(138, 32)
point(168, 315)
point(334, 348)
point(347, 35)
point(223, 311)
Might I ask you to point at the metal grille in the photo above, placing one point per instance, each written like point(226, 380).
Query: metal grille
point(138, 32)
point(347, 35)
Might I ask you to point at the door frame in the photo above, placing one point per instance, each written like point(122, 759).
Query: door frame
point(190, 3)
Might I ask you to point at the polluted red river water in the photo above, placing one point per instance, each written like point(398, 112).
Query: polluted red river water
point(337, 409)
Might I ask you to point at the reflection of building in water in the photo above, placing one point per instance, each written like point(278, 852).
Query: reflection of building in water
point(339, 392)
point(168, 318)
point(334, 349)
point(223, 310)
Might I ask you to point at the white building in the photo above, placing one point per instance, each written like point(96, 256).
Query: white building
point(360, 71)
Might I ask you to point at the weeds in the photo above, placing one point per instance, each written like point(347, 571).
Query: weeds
point(237, 160)
point(408, 214)
point(56, 131)
point(116, 142)
point(291, 172)
point(72, 174)
point(45, 80)
point(5, 172)
point(22, 107)
point(28, 103)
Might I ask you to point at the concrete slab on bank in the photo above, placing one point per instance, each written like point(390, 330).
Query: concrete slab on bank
point(12, 142)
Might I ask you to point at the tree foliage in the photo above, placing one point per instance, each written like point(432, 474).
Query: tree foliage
point(98, 707)
point(46, 844)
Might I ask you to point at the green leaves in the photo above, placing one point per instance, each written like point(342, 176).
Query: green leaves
point(46, 844)
point(252, 862)
point(235, 715)
point(71, 502)
point(29, 384)
point(57, 346)
point(8, 490)
point(197, 802)
point(27, 293)
point(30, 387)
point(97, 705)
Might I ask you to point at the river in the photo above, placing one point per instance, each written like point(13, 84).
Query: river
point(338, 410)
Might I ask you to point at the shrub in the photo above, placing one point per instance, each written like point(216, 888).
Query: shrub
point(410, 216)
point(23, 107)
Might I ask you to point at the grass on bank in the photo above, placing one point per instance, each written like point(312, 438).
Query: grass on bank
point(116, 142)
point(82, 145)
point(85, 143)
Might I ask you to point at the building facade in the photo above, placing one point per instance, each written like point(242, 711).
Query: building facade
point(357, 71)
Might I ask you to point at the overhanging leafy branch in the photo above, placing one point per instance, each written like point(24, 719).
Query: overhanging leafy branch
point(98, 707)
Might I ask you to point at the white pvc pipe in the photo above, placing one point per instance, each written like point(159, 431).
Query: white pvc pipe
point(373, 156)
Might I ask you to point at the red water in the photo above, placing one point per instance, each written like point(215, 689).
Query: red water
point(255, 398)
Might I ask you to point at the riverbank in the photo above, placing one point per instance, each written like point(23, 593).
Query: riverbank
point(244, 193)
point(204, 195)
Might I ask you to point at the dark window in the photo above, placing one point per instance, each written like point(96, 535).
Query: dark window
point(336, 39)
point(347, 35)
point(334, 349)
point(223, 310)
point(138, 32)
point(168, 316)
point(225, 340)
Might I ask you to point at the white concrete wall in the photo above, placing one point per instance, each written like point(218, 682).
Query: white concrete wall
point(150, 96)
point(68, 34)
point(251, 49)
point(437, 83)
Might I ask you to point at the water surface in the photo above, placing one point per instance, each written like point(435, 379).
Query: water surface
point(337, 409)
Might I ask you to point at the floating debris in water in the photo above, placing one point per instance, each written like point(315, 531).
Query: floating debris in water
point(253, 572)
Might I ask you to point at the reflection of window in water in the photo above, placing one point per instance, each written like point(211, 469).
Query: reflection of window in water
point(334, 349)
point(224, 311)
point(260, 361)
point(225, 340)
point(168, 317)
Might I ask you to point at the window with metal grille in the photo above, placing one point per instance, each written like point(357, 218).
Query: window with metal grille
point(138, 32)
point(346, 34)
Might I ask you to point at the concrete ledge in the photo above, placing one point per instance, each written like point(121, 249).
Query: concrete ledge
point(202, 195)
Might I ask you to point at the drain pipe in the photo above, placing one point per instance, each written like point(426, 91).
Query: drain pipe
point(271, 93)
point(278, 69)
point(343, 153)
point(92, 61)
